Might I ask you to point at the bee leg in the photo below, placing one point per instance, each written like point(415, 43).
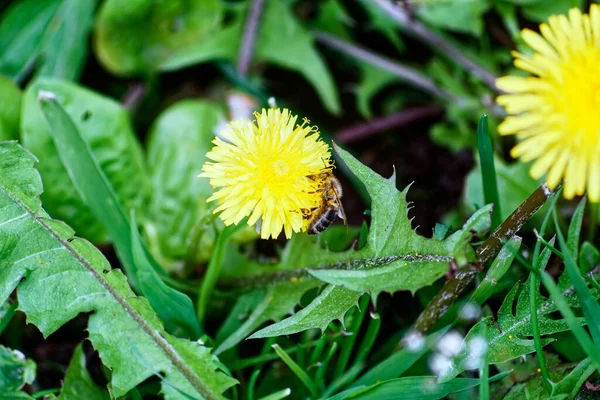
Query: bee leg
point(340, 215)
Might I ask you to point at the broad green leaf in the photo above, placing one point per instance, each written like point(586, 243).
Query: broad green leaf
point(456, 16)
point(178, 142)
point(10, 109)
point(285, 43)
point(64, 46)
point(22, 28)
point(67, 276)
point(78, 383)
point(567, 383)
point(333, 18)
point(106, 127)
point(15, 370)
point(332, 303)
point(373, 79)
point(175, 309)
point(384, 23)
point(50, 34)
point(278, 300)
point(539, 11)
point(514, 186)
point(589, 257)
point(510, 335)
point(139, 37)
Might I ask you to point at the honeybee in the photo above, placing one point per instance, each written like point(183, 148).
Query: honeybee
point(321, 217)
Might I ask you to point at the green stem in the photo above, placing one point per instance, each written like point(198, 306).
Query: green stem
point(454, 287)
point(214, 269)
point(488, 170)
point(8, 315)
point(299, 372)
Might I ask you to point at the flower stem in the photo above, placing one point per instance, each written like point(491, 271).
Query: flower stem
point(454, 287)
point(416, 29)
point(409, 75)
point(249, 37)
point(366, 129)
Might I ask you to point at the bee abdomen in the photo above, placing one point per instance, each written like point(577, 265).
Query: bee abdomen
point(324, 221)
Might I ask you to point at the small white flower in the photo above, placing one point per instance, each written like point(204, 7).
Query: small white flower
point(414, 341)
point(450, 344)
point(440, 365)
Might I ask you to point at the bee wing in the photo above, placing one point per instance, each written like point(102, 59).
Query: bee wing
point(342, 213)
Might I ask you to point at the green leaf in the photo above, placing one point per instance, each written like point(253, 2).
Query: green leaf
point(10, 109)
point(566, 387)
point(496, 271)
point(64, 45)
point(415, 388)
point(174, 308)
point(333, 18)
point(575, 230)
point(177, 146)
point(284, 42)
point(486, 160)
point(78, 382)
point(373, 79)
point(462, 17)
point(22, 28)
point(382, 22)
point(106, 127)
point(589, 257)
point(399, 362)
point(541, 10)
point(394, 258)
point(52, 34)
point(140, 37)
point(511, 336)
point(15, 370)
point(332, 303)
point(67, 276)
point(514, 186)
point(278, 300)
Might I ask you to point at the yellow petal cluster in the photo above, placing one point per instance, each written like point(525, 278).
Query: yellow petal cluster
point(555, 111)
point(267, 170)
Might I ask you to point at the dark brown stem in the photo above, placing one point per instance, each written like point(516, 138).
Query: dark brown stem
point(409, 75)
point(486, 252)
point(365, 130)
point(249, 37)
point(134, 96)
point(414, 28)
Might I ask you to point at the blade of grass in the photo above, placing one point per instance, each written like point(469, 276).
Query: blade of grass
point(488, 170)
point(252, 383)
point(299, 372)
point(370, 335)
point(8, 315)
point(484, 373)
point(580, 334)
point(94, 187)
point(575, 230)
point(348, 341)
point(265, 357)
point(589, 305)
point(534, 290)
point(214, 269)
point(399, 362)
point(320, 374)
point(343, 380)
point(278, 395)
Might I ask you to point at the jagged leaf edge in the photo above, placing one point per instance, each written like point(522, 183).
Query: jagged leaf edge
point(60, 232)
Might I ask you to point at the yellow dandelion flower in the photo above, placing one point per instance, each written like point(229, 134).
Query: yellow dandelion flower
point(267, 169)
point(556, 112)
